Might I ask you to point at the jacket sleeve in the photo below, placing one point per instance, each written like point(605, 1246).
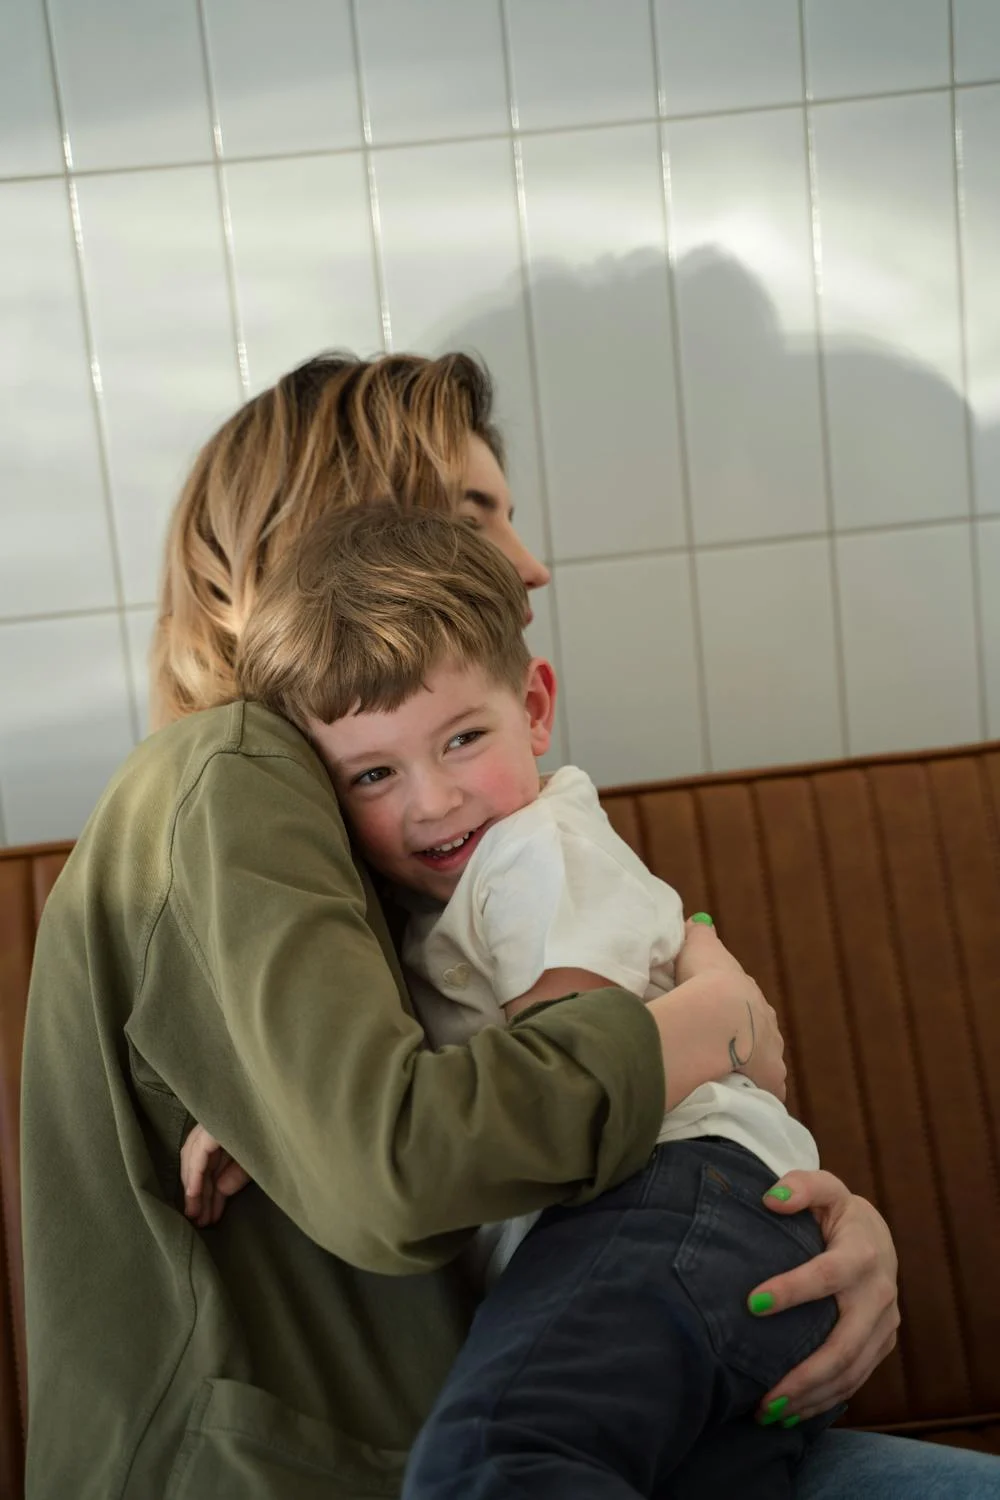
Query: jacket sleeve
point(383, 1152)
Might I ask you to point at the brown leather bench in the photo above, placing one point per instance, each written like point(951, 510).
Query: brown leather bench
point(865, 897)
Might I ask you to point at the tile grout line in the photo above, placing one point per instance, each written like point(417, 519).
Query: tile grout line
point(370, 148)
point(94, 612)
point(528, 310)
point(957, 165)
point(683, 453)
point(222, 197)
point(743, 544)
point(374, 212)
point(825, 440)
point(96, 385)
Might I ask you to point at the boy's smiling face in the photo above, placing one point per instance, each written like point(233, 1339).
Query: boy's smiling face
point(421, 784)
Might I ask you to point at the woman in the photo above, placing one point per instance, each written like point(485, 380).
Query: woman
point(211, 952)
point(342, 431)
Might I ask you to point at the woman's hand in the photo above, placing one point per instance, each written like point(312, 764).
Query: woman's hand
point(858, 1267)
point(209, 1176)
point(705, 966)
point(716, 1023)
point(703, 949)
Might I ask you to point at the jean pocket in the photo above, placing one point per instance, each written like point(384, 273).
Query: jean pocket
point(732, 1244)
point(243, 1444)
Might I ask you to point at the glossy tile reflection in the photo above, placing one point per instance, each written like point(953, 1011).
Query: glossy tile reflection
point(746, 307)
point(283, 76)
point(602, 321)
point(890, 309)
point(734, 269)
point(155, 275)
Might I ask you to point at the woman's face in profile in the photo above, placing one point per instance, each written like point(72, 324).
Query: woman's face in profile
point(486, 503)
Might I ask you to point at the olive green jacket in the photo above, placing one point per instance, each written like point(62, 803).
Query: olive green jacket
point(212, 952)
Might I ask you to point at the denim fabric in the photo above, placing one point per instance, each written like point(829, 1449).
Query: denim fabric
point(615, 1356)
point(872, 1466)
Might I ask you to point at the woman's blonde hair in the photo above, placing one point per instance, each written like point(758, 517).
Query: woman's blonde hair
point(367, 603)
point(334, 433)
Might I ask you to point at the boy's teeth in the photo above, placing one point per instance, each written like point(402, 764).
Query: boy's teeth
point(447, 848)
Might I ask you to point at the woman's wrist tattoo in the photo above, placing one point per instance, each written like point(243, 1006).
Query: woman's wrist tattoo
point(734, 1057)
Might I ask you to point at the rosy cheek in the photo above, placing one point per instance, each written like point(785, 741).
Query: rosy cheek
point(370, 831)
point(508, 787)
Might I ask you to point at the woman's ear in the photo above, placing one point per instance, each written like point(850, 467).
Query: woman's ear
point(540, 703)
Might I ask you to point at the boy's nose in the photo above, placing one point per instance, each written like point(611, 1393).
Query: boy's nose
point(435, 797)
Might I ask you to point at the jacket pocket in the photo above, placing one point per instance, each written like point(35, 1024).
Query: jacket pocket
point(243, 1444)
point(732, 1244)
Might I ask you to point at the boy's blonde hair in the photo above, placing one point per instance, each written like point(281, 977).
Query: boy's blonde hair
point(335, 433)
point(354, 617)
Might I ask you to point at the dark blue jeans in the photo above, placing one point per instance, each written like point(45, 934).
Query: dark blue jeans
point(615, 1356)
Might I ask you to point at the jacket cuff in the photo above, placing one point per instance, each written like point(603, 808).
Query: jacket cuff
point(612, 1036)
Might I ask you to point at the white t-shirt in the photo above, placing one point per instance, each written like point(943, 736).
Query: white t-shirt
point(551, 887)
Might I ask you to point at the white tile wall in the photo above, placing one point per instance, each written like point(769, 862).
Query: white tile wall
point(977, 40)
point(978, 119)
point(628, 657)
point(132, 82)
point(599, 293)
point(304, 260)
point(452, 260)
point(29, 120)
point(856, 47)
point(726, 54)
point(598, 69)
point(767, 334)
point(747, 314)
point(65, 724)
point(770, 652)
point(988, 539)
point(434, 69)
point(890, 309)
point(283, 75)
point(906, 602)
point(56, 556)
point(155, 273)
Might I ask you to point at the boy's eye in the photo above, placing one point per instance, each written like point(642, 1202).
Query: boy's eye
point(467, 737)
point(471, 521)
point(373, 777)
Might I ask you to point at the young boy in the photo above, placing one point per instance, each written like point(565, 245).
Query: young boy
point(614, 1356)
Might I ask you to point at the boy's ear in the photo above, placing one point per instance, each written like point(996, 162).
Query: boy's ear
point(540, 703)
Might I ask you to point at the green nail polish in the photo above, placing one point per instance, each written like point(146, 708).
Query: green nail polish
point(773, 1410)
point(791, 1421)
point(704, 918)
point(760, 1302)
point(781, 1192)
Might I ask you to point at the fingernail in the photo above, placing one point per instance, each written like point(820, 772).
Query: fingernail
point(772, 1411)
point(791, 1421)
point(780, 1192)
point(760, 1302)
point(703, 918)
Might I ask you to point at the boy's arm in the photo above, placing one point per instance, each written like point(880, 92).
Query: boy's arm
point(319, 1083)
point(702, 951)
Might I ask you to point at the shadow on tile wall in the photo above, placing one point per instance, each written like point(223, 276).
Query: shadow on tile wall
point(839, 632)
point(761, 626)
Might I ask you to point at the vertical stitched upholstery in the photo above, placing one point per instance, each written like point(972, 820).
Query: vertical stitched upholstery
point(865, 899)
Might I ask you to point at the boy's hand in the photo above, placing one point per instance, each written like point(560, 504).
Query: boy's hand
point(209, 1176)
point(702, 951)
